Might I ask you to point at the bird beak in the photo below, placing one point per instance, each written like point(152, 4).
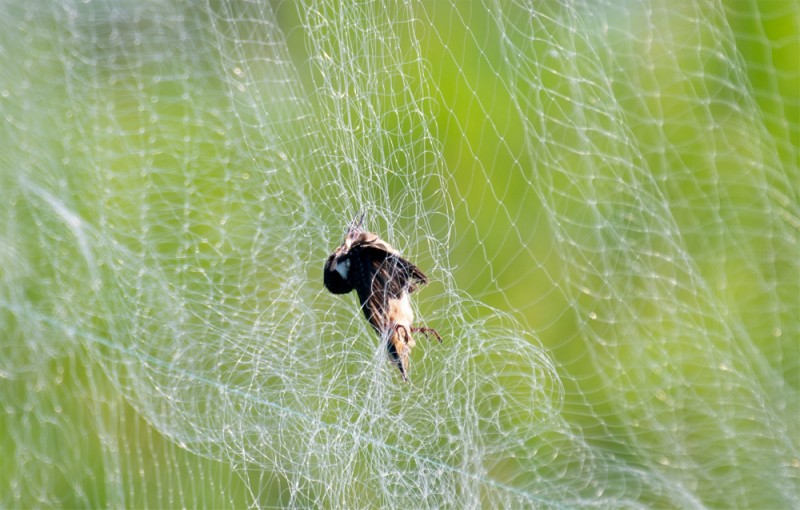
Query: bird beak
point(355, 225)
point(360, 220)
point(352, 232)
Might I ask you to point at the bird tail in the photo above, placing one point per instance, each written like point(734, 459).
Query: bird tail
point(399, 347)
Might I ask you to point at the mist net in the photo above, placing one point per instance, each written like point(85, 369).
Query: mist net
point(604, 196)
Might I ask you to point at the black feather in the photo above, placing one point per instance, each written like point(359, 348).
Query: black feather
point(333, 280)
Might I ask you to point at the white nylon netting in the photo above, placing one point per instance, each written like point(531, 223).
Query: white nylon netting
point(604, 195)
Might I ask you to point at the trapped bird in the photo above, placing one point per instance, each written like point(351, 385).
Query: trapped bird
point(383, 281)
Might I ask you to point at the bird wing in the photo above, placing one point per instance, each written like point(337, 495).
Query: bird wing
point(392, 272)
point(379, 274)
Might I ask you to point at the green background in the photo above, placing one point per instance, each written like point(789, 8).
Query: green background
point(605, 198)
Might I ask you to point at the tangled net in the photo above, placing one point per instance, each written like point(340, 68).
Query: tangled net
point(604, 197)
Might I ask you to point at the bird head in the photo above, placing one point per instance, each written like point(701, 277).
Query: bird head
point(337, 267)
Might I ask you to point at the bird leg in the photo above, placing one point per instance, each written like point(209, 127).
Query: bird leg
point(426, 331)
point(407, 334)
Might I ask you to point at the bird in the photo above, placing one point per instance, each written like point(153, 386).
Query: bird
point(384, 281)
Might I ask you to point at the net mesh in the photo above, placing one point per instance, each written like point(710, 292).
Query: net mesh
point(604, 196)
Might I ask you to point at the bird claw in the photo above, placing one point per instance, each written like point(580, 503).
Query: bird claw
point(407, 335)
point(418, 329)
point(427, 332)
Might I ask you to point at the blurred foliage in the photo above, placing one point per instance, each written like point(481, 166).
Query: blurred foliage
point(136, 162)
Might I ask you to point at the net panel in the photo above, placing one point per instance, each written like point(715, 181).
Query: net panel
point(604, 197)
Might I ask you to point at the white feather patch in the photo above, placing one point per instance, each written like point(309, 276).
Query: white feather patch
point(343, 268)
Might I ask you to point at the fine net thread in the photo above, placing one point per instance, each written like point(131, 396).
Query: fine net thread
point(603, 196)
